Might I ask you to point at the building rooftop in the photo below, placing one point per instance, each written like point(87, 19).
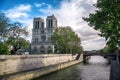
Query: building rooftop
point(52, 16)
point(38, 18)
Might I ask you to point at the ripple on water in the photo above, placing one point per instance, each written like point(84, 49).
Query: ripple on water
point(96, 69)
point(97, 59)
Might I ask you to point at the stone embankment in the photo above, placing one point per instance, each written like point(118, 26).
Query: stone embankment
point(25, 67)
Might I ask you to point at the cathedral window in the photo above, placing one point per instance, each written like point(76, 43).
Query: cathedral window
point(36, 40)
point(43, 38)
point(35, 24)
point(42, 25)
point(38, 24)
point(51, 23)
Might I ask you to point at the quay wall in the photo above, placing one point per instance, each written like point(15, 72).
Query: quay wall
point(31, 74)
point(16, 63)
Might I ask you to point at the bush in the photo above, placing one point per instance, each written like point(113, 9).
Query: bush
point(3, 48)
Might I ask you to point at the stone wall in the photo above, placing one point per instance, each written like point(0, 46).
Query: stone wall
point(15, 63)
point(40, 72)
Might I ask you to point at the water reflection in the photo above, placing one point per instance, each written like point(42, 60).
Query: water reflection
point(96, 69)
point(97, 59)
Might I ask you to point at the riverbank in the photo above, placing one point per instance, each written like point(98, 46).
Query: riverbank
point(27, 67)
point(96, 68)
point(27, 75)
point(16, 63)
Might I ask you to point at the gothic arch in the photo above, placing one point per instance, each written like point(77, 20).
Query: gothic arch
point(49, 49)
point(36, 40)
point(42, 49)
point(43, 38)
point(35, 49)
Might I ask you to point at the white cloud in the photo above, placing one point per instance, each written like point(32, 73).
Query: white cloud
point(21, 14)
point(37, 4)
point(29, 24)
point(46, 8)
point(18, 11)
point(94, 44)
point(70, 13)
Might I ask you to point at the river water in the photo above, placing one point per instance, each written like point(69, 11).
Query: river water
point(95, 69)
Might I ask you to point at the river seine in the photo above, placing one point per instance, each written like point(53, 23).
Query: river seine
point(97, 68)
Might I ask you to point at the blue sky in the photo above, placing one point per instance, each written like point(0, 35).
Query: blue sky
point(68, 13)
point(13, 3)
point(35, 4)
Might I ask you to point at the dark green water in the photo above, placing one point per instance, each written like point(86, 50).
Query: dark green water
point(96, 69)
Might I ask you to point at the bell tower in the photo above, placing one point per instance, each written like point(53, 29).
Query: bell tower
point(51, 24)
point(41, 36)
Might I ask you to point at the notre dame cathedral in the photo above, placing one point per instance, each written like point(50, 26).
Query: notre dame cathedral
point(41, 35)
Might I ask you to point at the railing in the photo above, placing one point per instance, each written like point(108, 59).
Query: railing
point(101, 54)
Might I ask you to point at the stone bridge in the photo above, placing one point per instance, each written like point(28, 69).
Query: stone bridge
point(85, 55)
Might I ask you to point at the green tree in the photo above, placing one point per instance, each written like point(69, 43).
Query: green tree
point(15, 39)
point(25, 44)
point(106, 19)
point(4, 26)
point(66, 41)
point(10, 35)
point(4, 49)
point(106, 49)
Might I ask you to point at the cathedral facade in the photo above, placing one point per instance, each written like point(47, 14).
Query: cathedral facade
point(41, 35)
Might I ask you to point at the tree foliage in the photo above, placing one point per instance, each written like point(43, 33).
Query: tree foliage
point(4, 26)
point(11, 35)
point(66, 41)
point(4, 49)
point(25, 44)
point(15, 33)
point(105, 50)
point(107, 20)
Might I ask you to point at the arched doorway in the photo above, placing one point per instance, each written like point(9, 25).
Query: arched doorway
point(35, 50)
point(49, 49)
point(42, 49)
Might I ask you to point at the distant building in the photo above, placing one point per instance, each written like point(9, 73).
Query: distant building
point(41, 36)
